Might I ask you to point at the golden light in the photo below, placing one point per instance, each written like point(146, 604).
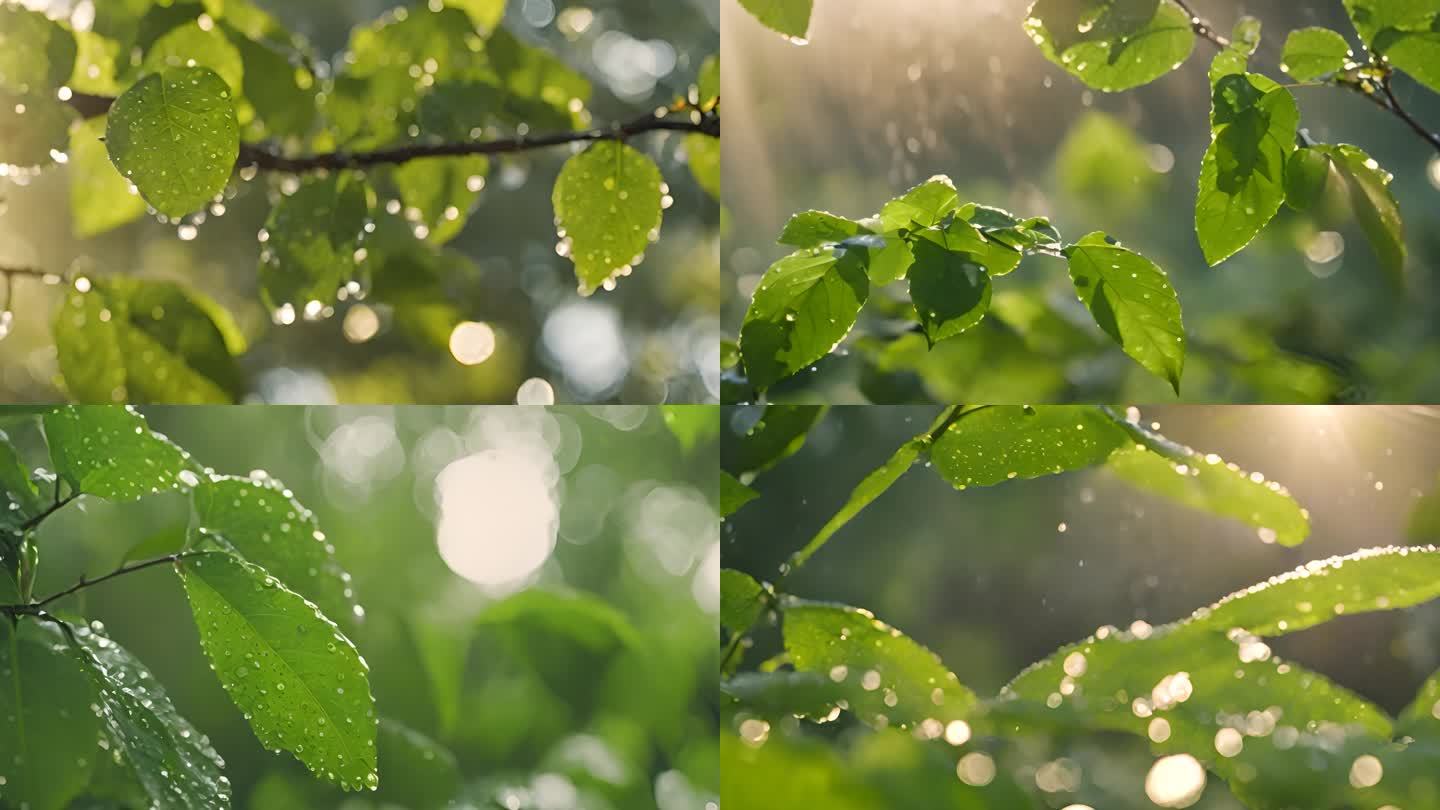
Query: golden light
point(499, 514)
point(361, 324)
point(472, 342)
point(1175, 781)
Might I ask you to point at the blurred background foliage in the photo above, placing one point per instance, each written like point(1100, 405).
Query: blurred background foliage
point(993, 579)
point(885, 96)
point(653, 339)
point(522, 698)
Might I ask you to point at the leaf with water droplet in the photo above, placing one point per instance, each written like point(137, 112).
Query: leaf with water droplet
point(109, 451)
point(989, 445)
point(1109, 51)
point(788, 17)
point(1308, 175)
point(1242, 177)
point(1132, 302)
point(804, 306)
point(1314, 52)
point(813, 229)
point(280, 92)
point(441, 191)
point(776, 433)
point(174, 135)
point(126, 339)
point(876, 483)
point(47, 735)
point(191, 45)
point(891, 680)
point(608, 203)
point(262, 522)
point(168, 758)
point(733, 494)
point(923, 206)
point(949, 287)
point(304, 688)
point(741, 600)
point(19, 499)
point(313, 237)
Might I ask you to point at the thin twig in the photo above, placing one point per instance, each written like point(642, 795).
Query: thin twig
point(1202, 27)
point(35, 608)
point(54, 507)
point(1404, 114)
point(261, 156)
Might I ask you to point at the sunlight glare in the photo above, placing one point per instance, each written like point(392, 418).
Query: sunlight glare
point(499, 515)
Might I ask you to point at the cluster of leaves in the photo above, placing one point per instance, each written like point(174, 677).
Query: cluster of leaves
point(273, 609)
point(948, 252)
point(1206, 691)
point(157, 106)
point(1259, 159)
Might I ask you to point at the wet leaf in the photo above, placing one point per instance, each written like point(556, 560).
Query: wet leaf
point(299, 680)
point(608, 208)
point(441, 192)
point(778, 695)
point(901, 683)
point(174, 135)
point(109, 451)
point(950, 289)
point(281, 93)
point(1112, 53)
point(813, 229)
point(692, 425)
point(1307, 180)
point(788, 17)
point(993, 444)
point(1132, 301)
point(260, 520)
point(171, 761)
point(1314, 52)
point(875, 484)
point(923, 206)
point(1242, 178)
point(776, 435)
point(804, 306)
point(310, 250)
point(190, 45)
point(741, 600)
point(48, 742)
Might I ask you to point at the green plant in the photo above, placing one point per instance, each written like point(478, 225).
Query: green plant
point(1206, 693)
point(1259, 159)
point(377, 162)
point(272, 607)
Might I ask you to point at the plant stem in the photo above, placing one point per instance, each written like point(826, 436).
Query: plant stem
point(35, 608)
point(1389, 102)
point(54, 507)
point(263, 157)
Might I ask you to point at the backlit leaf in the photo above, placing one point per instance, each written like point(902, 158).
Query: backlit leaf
point(36, 53)
point(47, 748)
point(100, 198)
point(1111, 58)
point(993, 444)
point(1132, 301)
point(1314, 52)
point(805, 304)
point(789, 17)
point(608, 207)
point(109, 451)
point(310, 245)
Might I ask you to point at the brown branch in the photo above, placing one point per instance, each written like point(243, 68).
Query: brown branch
point(1432, 138)
point(1202, 27)
point(261, 156)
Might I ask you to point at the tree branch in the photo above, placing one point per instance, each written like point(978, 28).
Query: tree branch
point(264, 157)
point(36, 608)
point(54, 507)
point(1388, 102)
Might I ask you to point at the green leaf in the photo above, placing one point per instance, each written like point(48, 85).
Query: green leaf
point(787, 772)
point(281, 93)
point(33, 129)
point(19, 499)
point(1242, 178)
point(486, 14)
point(608, 207)
point(1306, 175)
point(702, 153)
point(311, 238)
point(1372, 18)
point(923, 206)
point(298, 679)
point(1111, 57)
point(707, 82)
point(733, 495)
point(260, 520)
point(1207, 483)
point(100, 198)
point(805, 305)
point(741, 600)
point(47, 733)
point(875, 484)
point(1245, 35)
point(1307, 178)
point(174, 135)
point(538, 89)
point(1132, 302)
point(1314, 52)
point(778, 695)
point(813, 229)
point(1373, 579)
point(1415, 52)
point(778, 434)
point(901, 682)
point(171, 761)
point(692, 425)
point(420, 773)
point(37, 54)
point(950, 291)
point(145, 341)
point(95, 64)
point(788, 17)
point(440, 192)
point(189, 45)
point(993, 444)
point(110, 452)
point(1422, 717)
point(586, 620)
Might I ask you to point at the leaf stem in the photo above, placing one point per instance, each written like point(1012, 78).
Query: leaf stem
point(1203, 28)
point(58, 504)
point(36, 608)
point(264, 157)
